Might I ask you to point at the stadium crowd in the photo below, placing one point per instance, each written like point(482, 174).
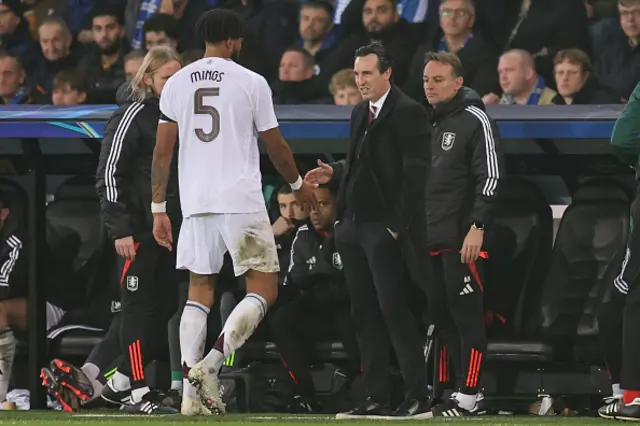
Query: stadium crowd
point(532, 52)
point(529, 52)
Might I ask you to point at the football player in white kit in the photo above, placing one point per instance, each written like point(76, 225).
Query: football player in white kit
point(219, 109)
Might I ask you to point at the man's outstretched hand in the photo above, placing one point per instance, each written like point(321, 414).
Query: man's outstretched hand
point(321, 175)
point(306, 198)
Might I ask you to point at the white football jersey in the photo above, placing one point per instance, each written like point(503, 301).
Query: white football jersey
point(220, 107)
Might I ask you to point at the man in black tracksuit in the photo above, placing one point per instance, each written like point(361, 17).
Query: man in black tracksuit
point(462, 186)
point(320, 307)
point(148, 281)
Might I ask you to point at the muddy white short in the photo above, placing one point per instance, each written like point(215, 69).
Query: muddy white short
point(204, 239)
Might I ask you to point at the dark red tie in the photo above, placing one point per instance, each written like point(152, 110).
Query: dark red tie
point(372, 113)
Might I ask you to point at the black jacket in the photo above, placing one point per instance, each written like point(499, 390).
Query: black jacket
point(124, 169)
point(466, 170)
point(316, 267)
point(382, 178)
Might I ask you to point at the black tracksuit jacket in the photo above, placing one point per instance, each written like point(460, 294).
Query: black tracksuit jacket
point(465, 171)
point(124, 170)
point(316, 268)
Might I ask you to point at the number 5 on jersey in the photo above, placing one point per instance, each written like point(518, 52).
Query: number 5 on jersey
point(199, 107)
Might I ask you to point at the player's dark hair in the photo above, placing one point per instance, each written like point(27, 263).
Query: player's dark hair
point(218, 25)
point(162, 23)
point(376, 48)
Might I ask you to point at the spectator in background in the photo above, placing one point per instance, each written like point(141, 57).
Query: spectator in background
point(576, 83)
point(343, 88)
point(132, 63)
point(478, 58)
point(77, 15)
point(13, 89)
point(381, 23)
point(617, 56)
point(69, 88)
point(541, 27)
point(56, 54)
point(520, 82)
point(316, 30)
point(104, 65)
point(160, 29)
point(186, 12)
point(296, 84)
point(15, 36)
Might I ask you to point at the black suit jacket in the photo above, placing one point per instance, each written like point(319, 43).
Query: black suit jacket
point(397, 148)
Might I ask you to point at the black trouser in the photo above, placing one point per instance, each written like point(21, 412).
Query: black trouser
point(378, 285)
point(455, 306)
point(148, 294)
point(627, 284)
point(107, 354)
point(297, 325)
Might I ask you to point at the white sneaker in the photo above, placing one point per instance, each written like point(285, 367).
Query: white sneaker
point(193, 407)
point(207, 384)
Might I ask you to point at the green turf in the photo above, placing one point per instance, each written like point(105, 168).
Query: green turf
point(110, 418)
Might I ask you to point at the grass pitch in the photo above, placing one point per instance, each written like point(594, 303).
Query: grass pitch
point(110, 418)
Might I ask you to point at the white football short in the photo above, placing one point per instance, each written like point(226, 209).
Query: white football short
point(204, 239)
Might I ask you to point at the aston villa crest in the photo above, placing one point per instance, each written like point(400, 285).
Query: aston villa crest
point(448, 138)
point(337, 261)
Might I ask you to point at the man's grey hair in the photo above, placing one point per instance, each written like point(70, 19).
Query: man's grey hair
point(471, 5)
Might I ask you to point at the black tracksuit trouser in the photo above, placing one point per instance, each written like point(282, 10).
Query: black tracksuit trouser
point(455, 297)
point(149, 298)
point(297, 325)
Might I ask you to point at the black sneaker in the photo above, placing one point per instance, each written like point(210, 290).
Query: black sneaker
point(451, 408)
point(67, 399)
point(620, 411)
point(72, 378)
point(151, 403)
point(304, 405)
point(481, 404)
point(369, 409)
point(413, 408)
point(173, 399)
point(114, 396)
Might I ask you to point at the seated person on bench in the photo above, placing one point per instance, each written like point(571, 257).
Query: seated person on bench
point(320, 308)
point(13, 288)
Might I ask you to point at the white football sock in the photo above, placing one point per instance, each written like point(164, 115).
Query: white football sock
point(193, 335)
point(138, 394)
point(468, 402)
point(616, 389)
point(240, 325)
point(120, 382)
point(7, 353)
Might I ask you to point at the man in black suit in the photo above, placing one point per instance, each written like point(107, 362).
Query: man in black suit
point(380, 225)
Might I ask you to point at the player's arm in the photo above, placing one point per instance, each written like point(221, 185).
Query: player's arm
point(626, 130)
point(166, 136)
point(280, 154)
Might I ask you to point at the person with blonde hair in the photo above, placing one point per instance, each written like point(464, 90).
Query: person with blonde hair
point(343, 88)
point(124, 185)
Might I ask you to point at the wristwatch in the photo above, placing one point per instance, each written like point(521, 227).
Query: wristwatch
point(478, 225)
